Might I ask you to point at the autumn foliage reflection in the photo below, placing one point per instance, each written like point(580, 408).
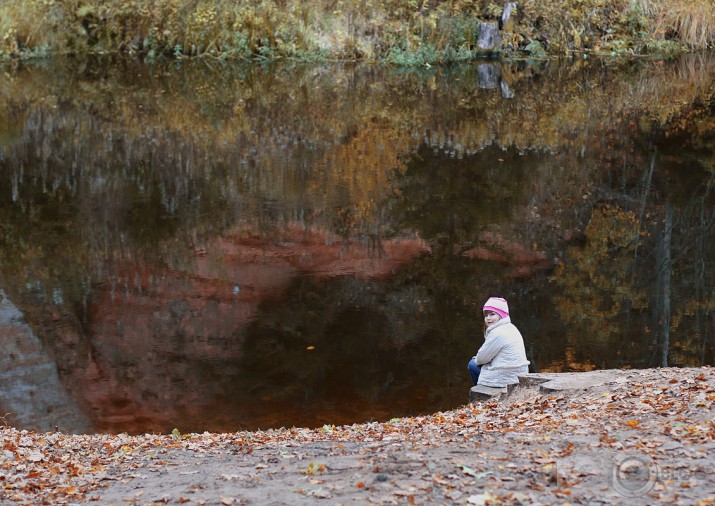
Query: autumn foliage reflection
point(184, 235)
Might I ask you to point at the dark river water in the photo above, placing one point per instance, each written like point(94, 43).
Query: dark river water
point(211, 246)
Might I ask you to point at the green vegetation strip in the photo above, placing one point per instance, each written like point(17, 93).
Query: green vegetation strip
point(399, 32)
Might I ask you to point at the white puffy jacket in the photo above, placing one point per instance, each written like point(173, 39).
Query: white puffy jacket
point(502, 356)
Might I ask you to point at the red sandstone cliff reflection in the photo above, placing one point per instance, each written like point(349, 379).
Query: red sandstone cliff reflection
point(156, 334)
point(163, 346)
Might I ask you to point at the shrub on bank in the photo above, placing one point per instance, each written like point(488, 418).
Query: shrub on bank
point(407, 32)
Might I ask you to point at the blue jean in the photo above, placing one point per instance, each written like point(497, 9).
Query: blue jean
point(474, 370)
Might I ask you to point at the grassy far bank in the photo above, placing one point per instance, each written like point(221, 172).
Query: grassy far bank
point(402, 32)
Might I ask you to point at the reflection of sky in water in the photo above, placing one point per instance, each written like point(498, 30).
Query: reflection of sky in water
point(32, 394)
point(300, 248)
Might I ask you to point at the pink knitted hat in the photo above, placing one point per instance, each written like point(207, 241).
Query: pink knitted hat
point(498, 305)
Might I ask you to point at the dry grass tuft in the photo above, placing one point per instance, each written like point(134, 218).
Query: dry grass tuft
point(691, 22)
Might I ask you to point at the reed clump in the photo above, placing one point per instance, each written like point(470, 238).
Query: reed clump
point(692, 22)
point(394, 31)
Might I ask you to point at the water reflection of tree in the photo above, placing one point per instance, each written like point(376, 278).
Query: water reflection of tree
point(689, 225)
point(643, 267)
point(449, 200)
point(40, 252)
point(597, 297)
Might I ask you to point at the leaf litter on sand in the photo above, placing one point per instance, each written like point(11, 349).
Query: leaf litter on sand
point(534, 447)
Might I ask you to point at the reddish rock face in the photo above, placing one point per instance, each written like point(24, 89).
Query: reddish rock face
point(522, 262)
point(162, 346)
point(152, 329)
